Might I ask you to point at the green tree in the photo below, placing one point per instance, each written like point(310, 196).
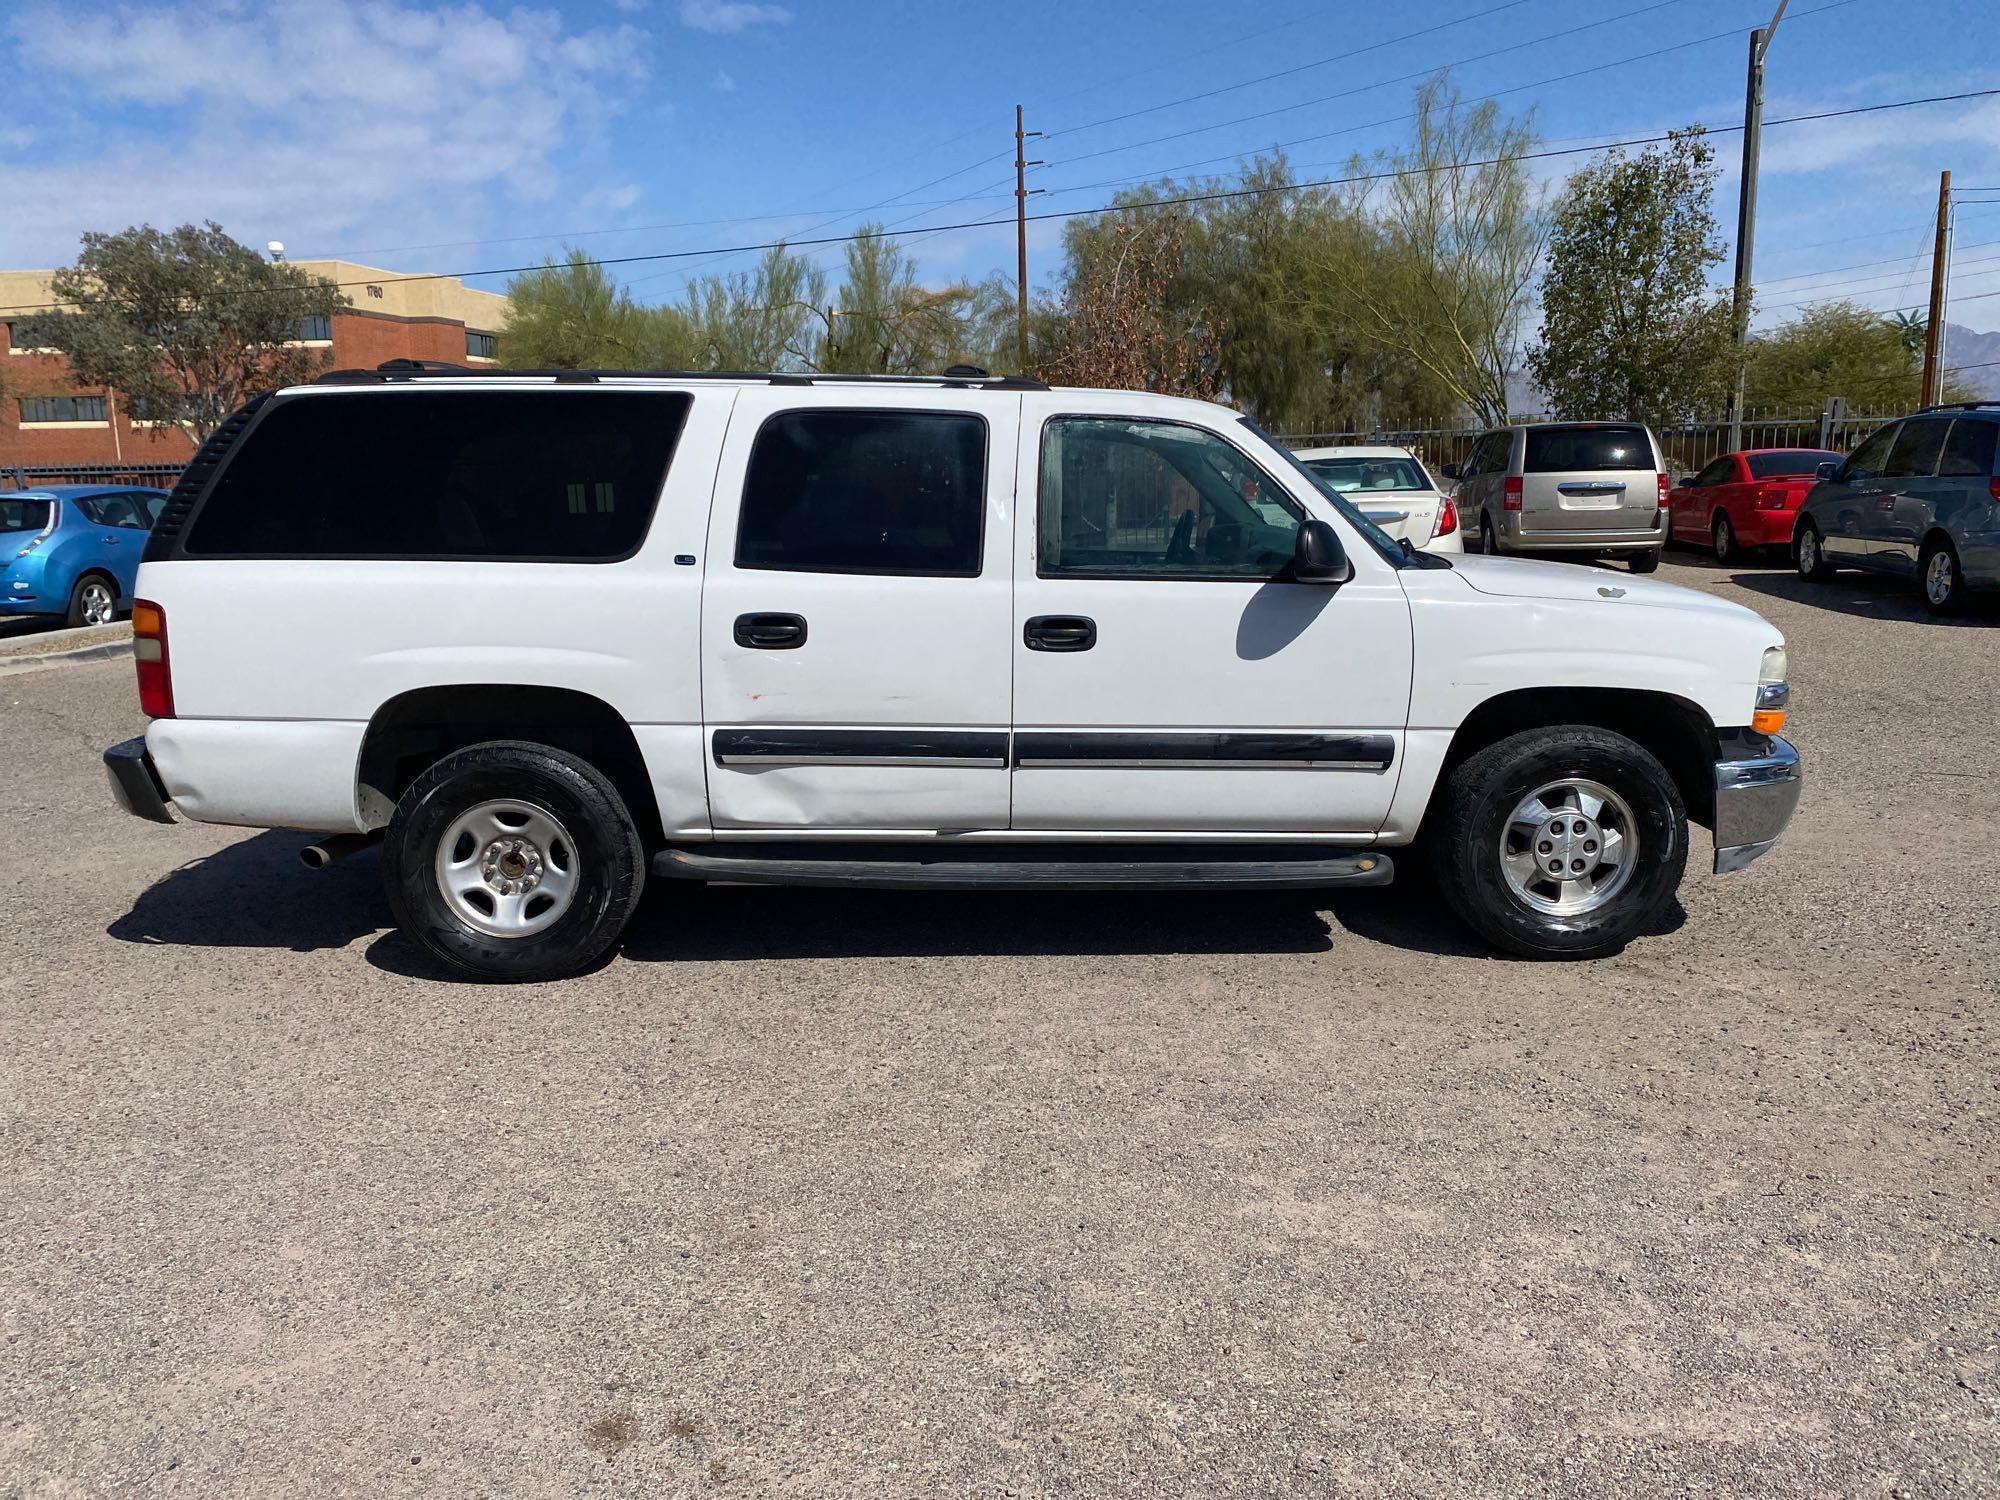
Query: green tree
point(1839, 349)
point(186, 323)
point(1444, 282)
point(887, 323)
point(572, 316)
point(1629, 326)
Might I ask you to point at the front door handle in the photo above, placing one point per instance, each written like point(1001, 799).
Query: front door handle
point(1060, 633)
point(111, 541)
point(770, 632)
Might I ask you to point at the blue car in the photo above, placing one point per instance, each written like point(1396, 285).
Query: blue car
point(73, 549)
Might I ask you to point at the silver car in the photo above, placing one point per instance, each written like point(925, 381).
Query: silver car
point(1592, 487)
point(1918, 499)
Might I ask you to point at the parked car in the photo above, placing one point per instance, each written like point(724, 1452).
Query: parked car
point(1595, 488)
point(1392, 488)
point(548, 634)
point(1918, 499)
point(1745, 500)
point(73, 549)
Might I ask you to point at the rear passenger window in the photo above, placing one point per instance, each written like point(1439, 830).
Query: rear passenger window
point(526, 476)
point(865, 492)
point(1968, 452)
point(1915, 454)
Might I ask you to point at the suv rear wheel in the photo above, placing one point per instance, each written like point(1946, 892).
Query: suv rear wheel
point(513, 861)
point(1563, 842)
point(1943, 579)
point(1647, 561)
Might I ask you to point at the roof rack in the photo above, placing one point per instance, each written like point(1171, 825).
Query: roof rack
point(961, 377)
point(1960, 405)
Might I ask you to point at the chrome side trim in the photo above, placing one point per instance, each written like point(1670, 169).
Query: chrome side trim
point(1757, 790)
point(1093, 763)
point(981, 762)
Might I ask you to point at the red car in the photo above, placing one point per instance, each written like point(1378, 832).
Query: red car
point(1745, 500)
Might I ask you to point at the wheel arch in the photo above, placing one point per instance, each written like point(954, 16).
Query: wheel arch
point(1675, 730)
point(415, 729)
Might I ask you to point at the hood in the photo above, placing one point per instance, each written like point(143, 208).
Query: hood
point(1526, 578)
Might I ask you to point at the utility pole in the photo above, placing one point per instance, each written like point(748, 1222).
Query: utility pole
point(1934, 328)
point(1746, 211)
point(1021, 165)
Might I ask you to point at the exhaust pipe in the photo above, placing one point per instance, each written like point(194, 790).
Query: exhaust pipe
point(336, 846)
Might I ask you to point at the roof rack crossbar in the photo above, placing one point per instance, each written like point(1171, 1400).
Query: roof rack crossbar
point(398, 370)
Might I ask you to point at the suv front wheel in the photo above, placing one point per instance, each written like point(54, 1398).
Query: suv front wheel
point(1564, 842)
point(513, 861)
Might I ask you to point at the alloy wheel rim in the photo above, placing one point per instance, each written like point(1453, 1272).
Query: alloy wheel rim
point(1569, 847)
point(1808, 550)
point(1937, 577)
point(97, 604)
point(1722, 538)
point(507, 868)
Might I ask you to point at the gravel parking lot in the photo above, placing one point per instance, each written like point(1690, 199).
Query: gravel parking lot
point(841, 1194)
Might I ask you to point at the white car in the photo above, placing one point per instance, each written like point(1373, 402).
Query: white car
point(1392, 488)
point(545, 635)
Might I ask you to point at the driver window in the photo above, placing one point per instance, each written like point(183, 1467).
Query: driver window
point(1719, 472)
point(1866, 462)
point(1143, 499)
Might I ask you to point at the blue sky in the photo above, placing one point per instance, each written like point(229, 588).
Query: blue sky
point(479, 135)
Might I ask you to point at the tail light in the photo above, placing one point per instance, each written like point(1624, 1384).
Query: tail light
point(149, 650)
point(1510, 495)
point(1993, 488)
point(1774, 497)
point(1447, 521)
point(1661, 485)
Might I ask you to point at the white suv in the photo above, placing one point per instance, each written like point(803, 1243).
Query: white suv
point(547, 634)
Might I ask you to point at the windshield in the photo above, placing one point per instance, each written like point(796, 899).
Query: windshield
point(1391, 550)
point(1345, 476)
point(1793, 461)
point(19, 513)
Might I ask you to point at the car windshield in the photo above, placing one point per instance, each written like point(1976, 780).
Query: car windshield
point(24, 513)
point(1790, 462)
point(1392, 551)
point(1347, 475)
point(1569, 450)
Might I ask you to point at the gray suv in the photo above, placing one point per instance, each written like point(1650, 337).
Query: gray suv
point(1592, 487)
point(1918, 499)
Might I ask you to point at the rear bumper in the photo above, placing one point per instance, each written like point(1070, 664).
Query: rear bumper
point(1757, 785)
point(1517, 537)
point(135, 783)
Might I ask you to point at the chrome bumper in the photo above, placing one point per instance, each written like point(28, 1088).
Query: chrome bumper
point(1757, 783)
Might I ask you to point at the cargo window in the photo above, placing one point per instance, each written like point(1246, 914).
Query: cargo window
point(528, 476)
point(865, 492)
point(1574, 450)
point(1968, 452)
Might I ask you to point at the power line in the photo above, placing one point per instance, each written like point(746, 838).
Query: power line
point(1215, 196)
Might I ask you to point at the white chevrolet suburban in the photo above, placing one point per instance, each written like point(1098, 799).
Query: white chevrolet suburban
point(546, 634)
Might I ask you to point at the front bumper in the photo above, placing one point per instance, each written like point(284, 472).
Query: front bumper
point(1757, 785)
point(135, 784)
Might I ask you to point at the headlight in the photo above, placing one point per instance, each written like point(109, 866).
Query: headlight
point(1774, 692)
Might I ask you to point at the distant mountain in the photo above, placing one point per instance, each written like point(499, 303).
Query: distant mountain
point(1975, 357)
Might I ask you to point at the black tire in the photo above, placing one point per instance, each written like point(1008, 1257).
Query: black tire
point(1818, 569)
point(1469, 820)
point(609, 860)
point(1489, 539)
point(81, 596)
point(1647, 561)
point(1722, 537)
point(1952, 599)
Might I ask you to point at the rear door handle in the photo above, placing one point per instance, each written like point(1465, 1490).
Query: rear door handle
point(1060, 633)
point(770, 632)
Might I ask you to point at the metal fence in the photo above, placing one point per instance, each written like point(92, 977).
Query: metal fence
point(150, 476)
point(1690, 445)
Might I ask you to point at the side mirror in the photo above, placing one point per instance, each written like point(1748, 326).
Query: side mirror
point(1826, 470)
point(1453, 471)
point(1685, 482)
point(1318, 556)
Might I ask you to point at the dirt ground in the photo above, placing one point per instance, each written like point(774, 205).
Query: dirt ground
point(819, 1194)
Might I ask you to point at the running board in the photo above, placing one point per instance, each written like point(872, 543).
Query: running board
point(1077, 868)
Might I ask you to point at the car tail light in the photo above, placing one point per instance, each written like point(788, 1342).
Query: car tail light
point(1661, 485)
point(1447, 521)
point(149, 650)
point(1993, 488)
point(1774, 497)
point(1510, 495)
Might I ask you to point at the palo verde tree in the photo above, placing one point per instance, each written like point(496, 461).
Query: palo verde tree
point(1840, 349)
point(1630, 327)
point(185, 323)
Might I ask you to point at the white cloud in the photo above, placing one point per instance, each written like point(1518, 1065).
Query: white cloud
point(312, 121)
point(631, 7)
point(727, 17)
point(724, 83)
